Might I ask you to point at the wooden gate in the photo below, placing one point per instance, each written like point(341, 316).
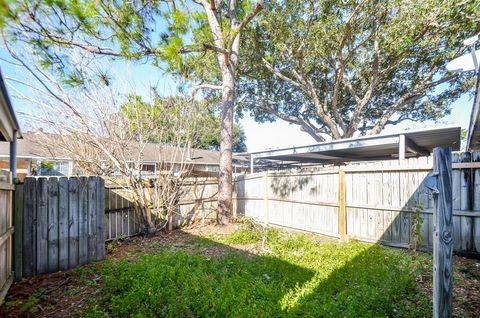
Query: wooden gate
point(6, 233)
point(63, 223)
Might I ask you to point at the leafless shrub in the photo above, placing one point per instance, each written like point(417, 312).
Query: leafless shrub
point(107, 130)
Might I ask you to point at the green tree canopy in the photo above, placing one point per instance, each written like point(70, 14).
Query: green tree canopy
point(207, 123)
point(336, 68)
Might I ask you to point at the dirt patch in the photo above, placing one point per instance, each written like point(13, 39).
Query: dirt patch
point(212, 229)
point(61, 294)
point(466, 286)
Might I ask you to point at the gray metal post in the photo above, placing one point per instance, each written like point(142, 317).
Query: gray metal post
point(13, 156)
point(401, 147)
point(443, 236)
point(251, 163)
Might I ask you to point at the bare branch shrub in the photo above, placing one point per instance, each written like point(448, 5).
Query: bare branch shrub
point(106, 129)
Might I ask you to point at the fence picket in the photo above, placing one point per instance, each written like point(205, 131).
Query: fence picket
point(83, 221)
point(73, 222)
point(63, 241)
point(42, 226)
point(92, 218)
point(52, 240)
point(29, 227)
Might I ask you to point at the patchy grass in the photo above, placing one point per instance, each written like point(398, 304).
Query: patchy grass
point(290, 275)
point(244, 271)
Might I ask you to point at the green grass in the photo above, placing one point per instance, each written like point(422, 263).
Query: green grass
point(293, 275)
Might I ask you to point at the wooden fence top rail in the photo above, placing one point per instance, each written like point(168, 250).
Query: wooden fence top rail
point(7, 186)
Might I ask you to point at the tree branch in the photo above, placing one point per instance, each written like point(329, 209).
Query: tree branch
point(279, 74)
point(203, 48)
point(203, 86)
point(336, 91)
point(258, 7)
point(353, 126)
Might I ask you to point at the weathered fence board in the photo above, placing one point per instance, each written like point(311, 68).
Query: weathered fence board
point(61, 227)
point(73, 222)
point(83, 221)
point(41, 242)
point(63, 250)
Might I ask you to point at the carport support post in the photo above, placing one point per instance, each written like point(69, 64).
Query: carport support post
point(442, 236)
point(251, 163)
point(401, 147)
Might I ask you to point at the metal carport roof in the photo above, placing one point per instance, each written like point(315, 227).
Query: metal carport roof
point(398, 145)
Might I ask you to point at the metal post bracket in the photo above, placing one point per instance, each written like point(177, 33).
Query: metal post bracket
point(431, 182)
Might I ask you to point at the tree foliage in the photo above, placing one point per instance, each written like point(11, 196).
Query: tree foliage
point(337, 68)
point(207, 122)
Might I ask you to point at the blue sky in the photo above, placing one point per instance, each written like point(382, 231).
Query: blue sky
point(260, 136)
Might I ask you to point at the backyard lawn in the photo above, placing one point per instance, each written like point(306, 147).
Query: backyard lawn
point(247, 273)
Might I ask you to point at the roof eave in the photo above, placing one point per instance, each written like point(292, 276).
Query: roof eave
point(11, 127)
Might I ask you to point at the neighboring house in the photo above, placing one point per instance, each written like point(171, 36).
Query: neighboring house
point(40, 160)
point(33, 159)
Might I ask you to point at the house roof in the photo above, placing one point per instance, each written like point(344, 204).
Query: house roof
point(8, 121)
point(377, 147)
point(30, 148)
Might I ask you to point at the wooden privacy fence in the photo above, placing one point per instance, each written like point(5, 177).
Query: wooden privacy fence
point(63, 223)
point(373, 202)
point(121, 219)
point(197, 201)
point(6, 233)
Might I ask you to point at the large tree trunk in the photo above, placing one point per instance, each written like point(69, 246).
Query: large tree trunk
point(225, 185)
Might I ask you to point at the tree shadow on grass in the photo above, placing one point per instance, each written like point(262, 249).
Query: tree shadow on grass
point(204, 278)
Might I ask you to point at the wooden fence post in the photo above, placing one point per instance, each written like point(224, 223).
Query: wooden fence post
point(443, 237)
point(18, 247)
point(342, 211)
